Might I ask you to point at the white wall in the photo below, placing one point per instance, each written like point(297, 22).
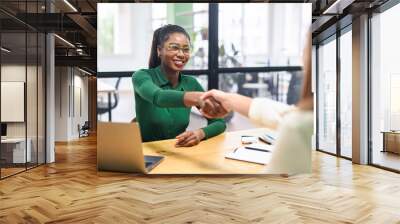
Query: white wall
point(17, 73)
point(61, 103)
point(71, 102)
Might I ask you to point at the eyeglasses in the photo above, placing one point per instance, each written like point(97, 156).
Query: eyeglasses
point(174, 48)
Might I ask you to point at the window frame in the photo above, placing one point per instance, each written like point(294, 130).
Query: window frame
point(213, 69)
point(334, 34)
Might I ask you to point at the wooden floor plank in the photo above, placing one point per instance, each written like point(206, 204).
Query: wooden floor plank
point(72, 191)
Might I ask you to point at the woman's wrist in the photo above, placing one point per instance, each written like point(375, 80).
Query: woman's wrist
point(238, 103)
point(192, 99)
point(201, 134)
point(230, 99)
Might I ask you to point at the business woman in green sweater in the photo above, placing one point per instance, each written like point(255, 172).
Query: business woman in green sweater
point(164, 96)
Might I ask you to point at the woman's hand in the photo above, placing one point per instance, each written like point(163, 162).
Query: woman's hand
point(207, 105)
point(190, 138)
point(219, 98)
point(213, 108)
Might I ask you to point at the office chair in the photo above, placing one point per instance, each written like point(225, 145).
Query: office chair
point(106, 106)
point(84, 130)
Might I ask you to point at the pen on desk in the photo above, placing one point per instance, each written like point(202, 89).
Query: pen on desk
point(263, 140)
point(257, 149)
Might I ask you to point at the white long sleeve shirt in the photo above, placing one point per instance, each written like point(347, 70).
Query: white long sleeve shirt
point(292, 153)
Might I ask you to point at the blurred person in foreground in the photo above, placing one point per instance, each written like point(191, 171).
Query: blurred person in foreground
point(294, 124)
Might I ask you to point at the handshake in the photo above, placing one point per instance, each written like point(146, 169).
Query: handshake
point(215, 104)
point(212, 104)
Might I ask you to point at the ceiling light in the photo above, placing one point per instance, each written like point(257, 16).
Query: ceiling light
point(338, 6)
point(65, 41)
point(70, 5)
point(5, 50)
point(84, 71)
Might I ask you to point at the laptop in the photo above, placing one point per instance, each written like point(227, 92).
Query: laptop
point(119, 148)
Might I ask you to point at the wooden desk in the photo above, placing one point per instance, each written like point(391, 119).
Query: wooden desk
point(391, 141)
point(13, 150)
point(208, 157)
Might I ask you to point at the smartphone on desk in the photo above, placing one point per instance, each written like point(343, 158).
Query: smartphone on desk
point(268, 138)
point(246, 139)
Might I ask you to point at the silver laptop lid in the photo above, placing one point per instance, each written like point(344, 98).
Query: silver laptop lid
point(119, 147)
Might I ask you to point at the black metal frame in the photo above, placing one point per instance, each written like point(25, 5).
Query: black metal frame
point(338, 98)
point(316, 97)
point(369, 78)
point(213, 52)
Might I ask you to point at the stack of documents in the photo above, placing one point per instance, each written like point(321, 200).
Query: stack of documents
point(254, 153)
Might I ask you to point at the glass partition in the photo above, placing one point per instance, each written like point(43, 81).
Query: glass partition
point(385, 89)
point(32, 98)
point(14, 153)
point(346, 94)
point(41, 87)
point(22, 87)
point(327, 96)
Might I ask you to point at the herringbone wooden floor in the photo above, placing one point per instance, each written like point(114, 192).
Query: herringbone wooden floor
point(71, 191)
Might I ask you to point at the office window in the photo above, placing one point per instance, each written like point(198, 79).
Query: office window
point(327, 96)
point(249, 35)
point(385, 89)
point(253, 35)
point(346, 94)
point(126, 31)
point(115, 99)
point(281, 86)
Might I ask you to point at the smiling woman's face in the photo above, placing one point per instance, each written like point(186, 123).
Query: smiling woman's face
point(175, 52)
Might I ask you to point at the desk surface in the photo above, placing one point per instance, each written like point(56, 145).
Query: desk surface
point(13, 140)
point(390, 132)
point(208, 157)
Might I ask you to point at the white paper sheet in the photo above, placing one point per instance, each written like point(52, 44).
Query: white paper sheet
point(249, 155)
